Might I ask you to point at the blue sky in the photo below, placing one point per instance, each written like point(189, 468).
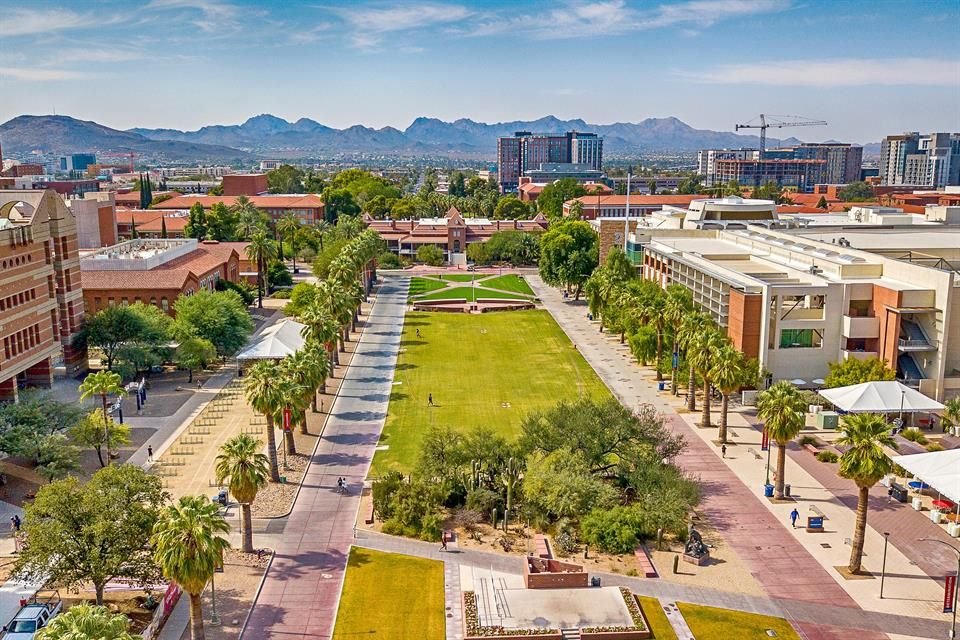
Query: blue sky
point(869, 68)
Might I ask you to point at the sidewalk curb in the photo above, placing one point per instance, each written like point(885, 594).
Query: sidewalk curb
point(256, 596)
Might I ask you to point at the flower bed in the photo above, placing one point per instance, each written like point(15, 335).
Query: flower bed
point(471, 616)
point(639, 630)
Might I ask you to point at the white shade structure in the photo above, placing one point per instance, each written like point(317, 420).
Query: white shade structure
point(939, 469)
point(275, 342)
point(880, 397)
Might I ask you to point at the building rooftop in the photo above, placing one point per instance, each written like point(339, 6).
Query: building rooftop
point(295, 201)
point(152, 264)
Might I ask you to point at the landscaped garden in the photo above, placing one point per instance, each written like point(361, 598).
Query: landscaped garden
point(469, 286)
point(488, 370)
point(388, 596)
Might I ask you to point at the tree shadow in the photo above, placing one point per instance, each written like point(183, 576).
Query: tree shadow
point(360, 416)
point(353, 438)
point(403, 367)
point(397, 396)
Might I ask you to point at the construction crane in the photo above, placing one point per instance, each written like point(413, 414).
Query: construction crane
point(767, 121)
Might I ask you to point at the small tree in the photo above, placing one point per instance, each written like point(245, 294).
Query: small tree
point(102, 384)
point(220, 317)
point(77, 534)
point(87, 621)
point(855, 371)
point(97, 431)
point(430, 254)
point(856, 192)
point(195, 353)
point(245, 470)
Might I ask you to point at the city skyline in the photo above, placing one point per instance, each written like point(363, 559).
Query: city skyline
point(185, 64)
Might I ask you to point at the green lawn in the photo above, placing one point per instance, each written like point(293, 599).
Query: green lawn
point(659, 624)
point(458, 277)
point(711, 622)
point(470, 294)
point(391, 597)
point(423, 285)
point(509, 283)
point(473, 365)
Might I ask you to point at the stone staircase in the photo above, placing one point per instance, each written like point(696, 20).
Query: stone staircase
point(570, 634)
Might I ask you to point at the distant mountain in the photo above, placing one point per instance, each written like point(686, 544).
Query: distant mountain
point(63, 134)
point(271, 135)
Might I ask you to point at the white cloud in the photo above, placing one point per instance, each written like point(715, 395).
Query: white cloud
point(213, 9)
point(834, 73)
point(23, 22)
point(401, 18)
point(35, 74)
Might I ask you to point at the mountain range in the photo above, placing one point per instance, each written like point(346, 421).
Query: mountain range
point(269, 136)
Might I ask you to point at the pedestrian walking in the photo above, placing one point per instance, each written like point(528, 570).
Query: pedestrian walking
point(723, 451)
point(15, 524)
point(150, 453)
point(418, 333)
point(340, 485)
point(430, 400)
point(443, 541)
point(793, 517)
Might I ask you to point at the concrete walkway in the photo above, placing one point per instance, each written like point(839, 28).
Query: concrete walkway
point(299, 597)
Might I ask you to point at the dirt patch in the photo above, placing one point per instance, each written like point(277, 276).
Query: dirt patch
point(275, 499)
point(236, 588)
point(129, 603)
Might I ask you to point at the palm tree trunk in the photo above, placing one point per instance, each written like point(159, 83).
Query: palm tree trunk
point(659, 355)
point(196, 618)
point(106, 427)
point(290, 444)
point(856, 549)
point(247, 526)
point(272, 449)
point(260, 283)
point(692, 388)
point(303, 423)
point(781, 469)
point(724, 406)
point(705, 417)
point(673, 376)
point(100, 455)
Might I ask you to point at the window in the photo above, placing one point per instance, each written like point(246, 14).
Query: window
point(800, 339)
point(165, 305)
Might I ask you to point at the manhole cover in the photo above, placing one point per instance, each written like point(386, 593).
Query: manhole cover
point(825, 545)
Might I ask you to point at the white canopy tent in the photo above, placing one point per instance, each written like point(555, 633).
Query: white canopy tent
point(939, 469)
point(275, 342)
point(880, 397)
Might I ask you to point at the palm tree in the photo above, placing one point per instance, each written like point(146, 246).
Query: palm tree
point(245, 471)
point(679, 305)
point(103, 384)
point(703, 351)
point(781, 408)
point(951, 412)
point(321, 327)
point(694, 322)
point(261, 250)
point(85, 620)
point(865, 463)
point(188, 547)
point(728, 373)
point(654, 309)
point(265, 397)
point(296, 399)
point(249, 218)
point(288, 226)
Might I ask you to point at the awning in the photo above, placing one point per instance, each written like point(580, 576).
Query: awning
point(880, 397)
point(275, 342)
point(939, 469)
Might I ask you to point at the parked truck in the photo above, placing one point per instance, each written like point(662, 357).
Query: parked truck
point(34, 615)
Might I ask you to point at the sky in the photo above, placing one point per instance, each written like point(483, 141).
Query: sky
point(870, 68)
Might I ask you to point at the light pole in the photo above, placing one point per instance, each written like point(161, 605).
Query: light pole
point(883, 568)
point(953, 626)
point(214, 618)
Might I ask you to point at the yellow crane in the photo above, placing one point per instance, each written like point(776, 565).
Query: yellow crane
point(767, 121)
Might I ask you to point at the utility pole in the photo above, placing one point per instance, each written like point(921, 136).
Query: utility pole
point(626, 219)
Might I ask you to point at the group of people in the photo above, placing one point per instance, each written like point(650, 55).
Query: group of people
point(341, 484)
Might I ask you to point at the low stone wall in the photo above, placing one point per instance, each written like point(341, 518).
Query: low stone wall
point(615, 635)
point(525, 636)
point(540, 573)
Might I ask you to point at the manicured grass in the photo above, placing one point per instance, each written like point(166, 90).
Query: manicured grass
point(470, 294)
point(472, 365)
point(391, 597)
point(458, 277)
point(423, 285)
point(711, 622)
point(509, 283)
point(659, 624)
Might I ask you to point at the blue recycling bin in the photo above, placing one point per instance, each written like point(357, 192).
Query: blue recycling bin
point(768, 491)
point(661, 386)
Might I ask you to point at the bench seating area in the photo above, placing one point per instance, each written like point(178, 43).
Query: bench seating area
point(645, 563)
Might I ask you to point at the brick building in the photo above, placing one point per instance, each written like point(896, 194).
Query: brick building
point(41, 305)
point(308, 207)
point(601, 206)
point(244, 184)
point(157, 272)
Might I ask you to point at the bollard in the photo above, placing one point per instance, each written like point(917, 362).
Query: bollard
point(676, 564)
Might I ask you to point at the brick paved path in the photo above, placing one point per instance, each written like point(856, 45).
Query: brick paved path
point(299, 597)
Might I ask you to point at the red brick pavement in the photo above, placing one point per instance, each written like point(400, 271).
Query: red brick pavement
point(810, 631)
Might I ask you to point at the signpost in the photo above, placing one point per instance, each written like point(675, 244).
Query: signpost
point(949, 590)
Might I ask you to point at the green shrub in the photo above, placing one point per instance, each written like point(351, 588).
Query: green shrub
point(246, 292)
point(914, 435)
point(827, 456)
point(612, 530)
point(431, 527)
point(483, 501)
point(388, 260)
point(805, 440)
point(282, 294)
point(430, 254)
point(934, 446)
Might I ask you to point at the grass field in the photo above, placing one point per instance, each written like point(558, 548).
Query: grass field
point(487, 370)
point(423, 285)
point(470, 294)
point(711, 622)
point(509, 283)
point(457, 277)
point(391, 597)
point(659, 624)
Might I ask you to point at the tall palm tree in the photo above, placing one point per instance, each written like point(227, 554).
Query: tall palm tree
point(102, 384)
point(692, 325)
point(188, 546)
point(287, 227)
point(781, 408)
point(296, 399)
point(703, 351)
point(951, 412)
point(264, 396)
point(654, 309)
point(245, 470)
point(321, 327)
point(865, 463)
point(249, 218)
point(261, 250)
point(679, 304)
point(728, 374)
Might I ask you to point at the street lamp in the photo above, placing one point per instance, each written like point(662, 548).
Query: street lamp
point(953, 626)
point(883, 569)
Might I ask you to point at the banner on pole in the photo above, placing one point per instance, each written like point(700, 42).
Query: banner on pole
point(765, 441)
point(949, 587)
point(286, 419)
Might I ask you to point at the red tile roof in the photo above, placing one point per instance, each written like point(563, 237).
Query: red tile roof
point(171, 275)
point(637, 200)
point(305, 201)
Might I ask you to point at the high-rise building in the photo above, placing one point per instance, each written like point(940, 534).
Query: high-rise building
point(41, 303)
point(839, 164)
point(528, 151)
point(77, 162)
point(707, 161)
point(843, 161)
point(931, 161)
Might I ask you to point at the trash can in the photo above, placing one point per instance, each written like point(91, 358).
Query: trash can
point(661, 386)
point(786, 490)
point(594, 581)
point(768, 491)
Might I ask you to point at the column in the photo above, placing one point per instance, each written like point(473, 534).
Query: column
point(8, 390)
point(41, 374)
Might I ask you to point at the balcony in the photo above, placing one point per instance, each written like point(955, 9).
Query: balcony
point(858, 355)
point(860, 327)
